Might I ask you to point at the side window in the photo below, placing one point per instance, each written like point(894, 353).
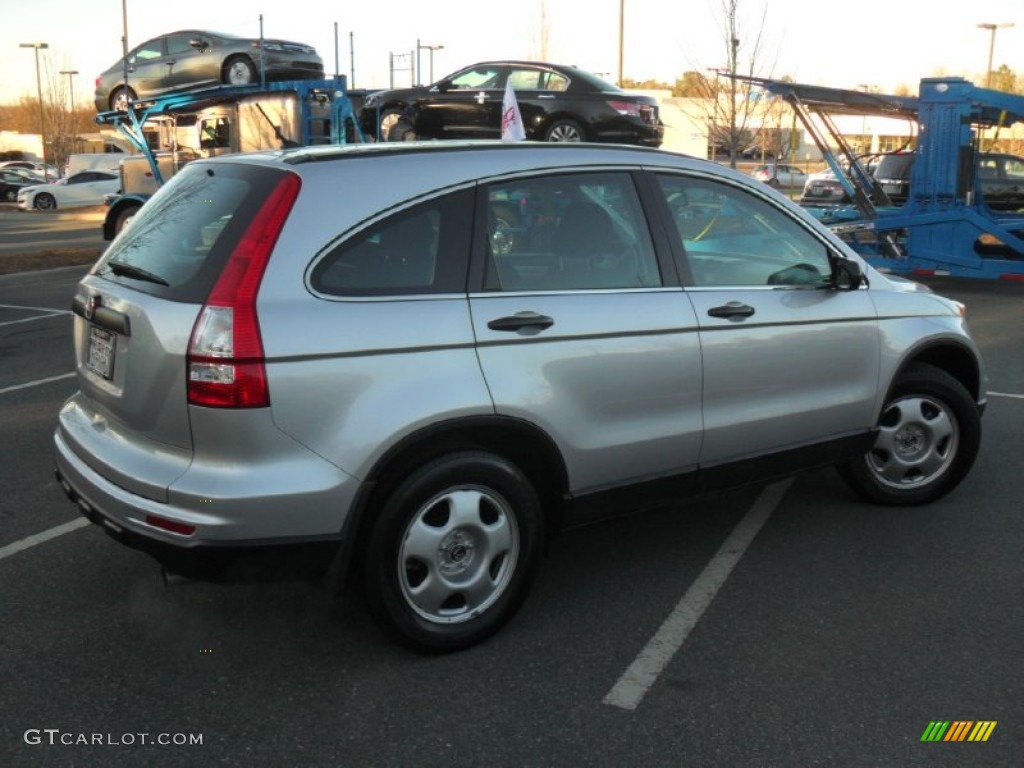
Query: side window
point(152, 50)
point(582, 231)
point(179, 44)
point(477, 78)
point(1014, 169)
point(423, 249)
point(525, 79)
point(733, 238)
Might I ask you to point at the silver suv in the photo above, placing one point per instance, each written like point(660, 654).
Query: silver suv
point(424, 359)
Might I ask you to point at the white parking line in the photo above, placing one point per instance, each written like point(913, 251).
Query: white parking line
point(39, 538)
point(30, 319)
point(631, 688)
point(35, 383)
point(1006, 394)
point(37, 309)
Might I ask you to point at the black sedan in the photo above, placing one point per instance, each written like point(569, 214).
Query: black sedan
point(557, 103)
point(181, 61)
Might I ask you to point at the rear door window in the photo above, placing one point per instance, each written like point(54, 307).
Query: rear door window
point(178, 242)
point(580, 231)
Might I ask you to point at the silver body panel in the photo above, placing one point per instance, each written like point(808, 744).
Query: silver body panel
point(628, 385)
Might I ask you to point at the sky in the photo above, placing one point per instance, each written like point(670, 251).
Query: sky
point(878, 43)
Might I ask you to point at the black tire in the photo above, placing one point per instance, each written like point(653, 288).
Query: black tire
point(11, 195)
point(564, 130)
point(123, 217)
point(389, 118)
point(465, 518)
point(401, 131)
point(774, 183)
point(120, 97)
point(239, 70)
point(44, 201)
point(929, 436)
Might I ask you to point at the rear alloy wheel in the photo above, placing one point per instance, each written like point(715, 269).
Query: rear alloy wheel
point(928, 437)
point(10, 195)
point(120, 97)
point(239, 70)
point(564, 130)
point(44, 202)
point(389, 118)
point(453, 553)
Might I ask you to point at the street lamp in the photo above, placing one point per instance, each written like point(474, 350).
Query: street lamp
point(71, 90)
point(992, 46)
point(419, 71)
point(39, 90)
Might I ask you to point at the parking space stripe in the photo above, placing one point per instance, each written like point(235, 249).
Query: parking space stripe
point(30, 319)
point(51, 310)
point(39, 538)
point(36, 383)
point(1006, 394)
point(631, 688)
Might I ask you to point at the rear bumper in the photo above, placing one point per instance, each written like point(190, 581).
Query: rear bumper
point(222, 546)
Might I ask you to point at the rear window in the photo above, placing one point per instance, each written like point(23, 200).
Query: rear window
point(894, 167)
point(177, 244)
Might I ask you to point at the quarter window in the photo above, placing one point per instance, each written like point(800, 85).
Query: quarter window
point(571, 232)
point(423, 249)
point(730, 237)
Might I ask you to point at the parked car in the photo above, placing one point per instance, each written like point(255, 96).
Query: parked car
point(1000, 177)
point(557, 103)
point(80, 189)
point(487, 344)
point(780, 175)
point(823, 187)
point(188, 59)
point(13, 179)
point(39, 169)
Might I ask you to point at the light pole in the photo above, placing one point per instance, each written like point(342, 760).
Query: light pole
point(622, 29)
point(419, 70)
point(992, 46)
point(71, 89)
point(39, 90)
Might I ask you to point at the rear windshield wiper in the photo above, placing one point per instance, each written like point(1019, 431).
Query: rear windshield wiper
point(122, 269)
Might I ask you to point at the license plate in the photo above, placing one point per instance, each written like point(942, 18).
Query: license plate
point(100, 358)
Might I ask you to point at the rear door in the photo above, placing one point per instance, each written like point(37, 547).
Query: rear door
point(788, 362)
point(582, 331)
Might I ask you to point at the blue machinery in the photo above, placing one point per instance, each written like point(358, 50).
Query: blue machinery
point(944, 227)
point(323, 102)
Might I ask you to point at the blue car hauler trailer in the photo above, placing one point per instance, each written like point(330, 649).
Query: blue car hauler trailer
point(945, 226)
point(320, 112)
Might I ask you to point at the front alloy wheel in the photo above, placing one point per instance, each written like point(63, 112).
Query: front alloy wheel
point(453, 552)
point(929, 433)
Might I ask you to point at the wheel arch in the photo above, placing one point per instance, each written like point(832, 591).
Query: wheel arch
point(522, 443)
point(954, 358)
point(554, 117)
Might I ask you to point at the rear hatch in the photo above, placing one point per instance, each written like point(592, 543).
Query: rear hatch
point(136, 316)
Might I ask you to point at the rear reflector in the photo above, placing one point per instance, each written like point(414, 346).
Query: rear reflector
point(170, 525)
point(226, 367)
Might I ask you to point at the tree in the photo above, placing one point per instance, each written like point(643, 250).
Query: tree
point(730, 102)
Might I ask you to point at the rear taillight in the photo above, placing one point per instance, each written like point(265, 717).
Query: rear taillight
point(625, 108)
point(226, 367)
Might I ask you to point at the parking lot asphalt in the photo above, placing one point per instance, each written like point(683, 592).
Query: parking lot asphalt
point(839, 633)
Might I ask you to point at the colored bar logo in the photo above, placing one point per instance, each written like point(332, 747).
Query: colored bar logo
point(958, 730)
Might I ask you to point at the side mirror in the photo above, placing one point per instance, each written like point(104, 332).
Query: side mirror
point(443, 86)
point(199, 43)
point(847, 274)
